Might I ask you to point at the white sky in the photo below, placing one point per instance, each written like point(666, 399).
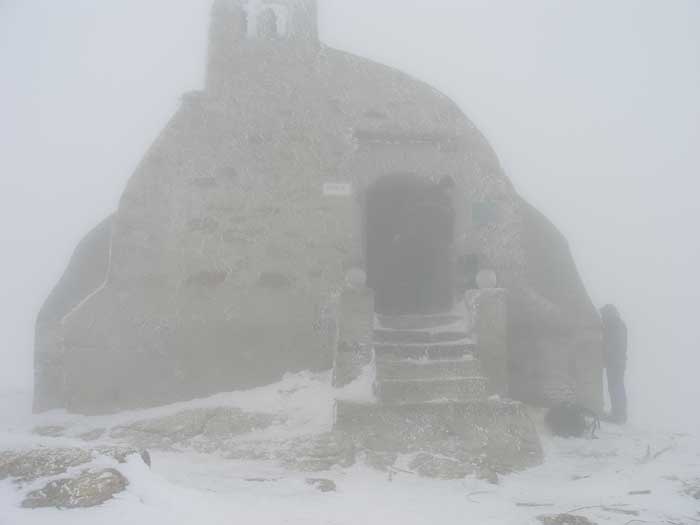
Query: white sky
point(592, 106)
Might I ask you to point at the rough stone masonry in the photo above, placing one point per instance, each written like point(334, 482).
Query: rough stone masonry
point(221, 267)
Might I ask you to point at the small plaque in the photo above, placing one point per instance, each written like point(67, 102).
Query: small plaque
point(337, 189)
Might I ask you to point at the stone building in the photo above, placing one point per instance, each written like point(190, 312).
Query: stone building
point(223, 266)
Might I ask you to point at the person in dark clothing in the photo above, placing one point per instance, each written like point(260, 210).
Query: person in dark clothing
point(615, 360)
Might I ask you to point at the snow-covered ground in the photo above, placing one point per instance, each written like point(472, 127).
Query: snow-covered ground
point(592, 478)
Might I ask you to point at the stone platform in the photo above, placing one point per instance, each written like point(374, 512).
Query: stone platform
point(432, 399)
point(495, 433)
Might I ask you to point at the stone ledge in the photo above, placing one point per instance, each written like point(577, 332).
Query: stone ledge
point(497, 433)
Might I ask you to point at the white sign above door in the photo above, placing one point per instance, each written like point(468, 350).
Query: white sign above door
point(337, 189)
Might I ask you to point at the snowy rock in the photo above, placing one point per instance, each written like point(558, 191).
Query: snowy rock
point(564, 519)
point(319, 453)
point(692, 489)
point(248, 451)
point(205, 429)
point(322, 485)
point(430, 466)
point(90, 489)
point(488, 475)
point(92, 435)
point(30, 465)
point(380, 460)
point(26, 466)
point(49, 431)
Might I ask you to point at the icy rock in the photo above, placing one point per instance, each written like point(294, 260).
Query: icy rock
point(488, 475)
point(430, 466)
point(49, 431)
point(264, 451)
point(121, 454)
point(24, 466)
point(564, 519)
point(322, 485)
point(380, 460)
point(319, 453)
point(30, 465)
point(210, 426)
point(91, 488)
point(692, 489)
point(92, 435)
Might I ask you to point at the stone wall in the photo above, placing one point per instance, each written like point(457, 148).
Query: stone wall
point(225, 253)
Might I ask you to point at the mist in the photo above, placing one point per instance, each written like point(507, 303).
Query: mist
point(592, 108)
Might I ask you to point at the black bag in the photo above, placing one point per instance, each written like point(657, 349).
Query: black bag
point(572, 420)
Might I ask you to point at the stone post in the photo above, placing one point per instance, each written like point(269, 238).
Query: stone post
point(490, 323)
point(356, 325)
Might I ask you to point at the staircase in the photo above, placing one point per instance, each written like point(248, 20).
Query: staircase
point(426, 359)
point(423, 365)
point(430, 394)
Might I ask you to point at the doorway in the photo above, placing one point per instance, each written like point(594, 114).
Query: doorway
point(409, 228)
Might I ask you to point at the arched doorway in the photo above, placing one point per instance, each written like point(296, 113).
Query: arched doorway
point(409, 228)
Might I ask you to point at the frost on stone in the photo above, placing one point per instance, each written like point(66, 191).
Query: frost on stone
point(89, 489)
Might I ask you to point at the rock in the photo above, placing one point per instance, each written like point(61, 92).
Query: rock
point(49, 431)
point(564, 519)
point(488, 475)
point(205, 429)
point(692, 489)
point(429, 466)
point(92, 435)
point(230, 422)
point(90, 489)
point(30, 465)
point(318, 453)
point(261, 480)
point(249, 451)
point(121, 454)
point(25, 466)
point(380, 460)
point(323, 485)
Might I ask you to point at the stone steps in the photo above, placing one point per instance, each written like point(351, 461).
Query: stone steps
point(416, 322)
point(412, 369)
point(402, 392)
point(383, 335)
point(426, 359)
point(446, 351)
point(431, 398)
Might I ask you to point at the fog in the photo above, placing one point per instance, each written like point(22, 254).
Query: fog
point(592, 107)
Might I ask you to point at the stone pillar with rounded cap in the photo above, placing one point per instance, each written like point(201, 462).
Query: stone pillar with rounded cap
point(356, 324)
point(488, 308)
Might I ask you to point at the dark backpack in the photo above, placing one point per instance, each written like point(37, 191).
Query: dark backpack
point(572, 420)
